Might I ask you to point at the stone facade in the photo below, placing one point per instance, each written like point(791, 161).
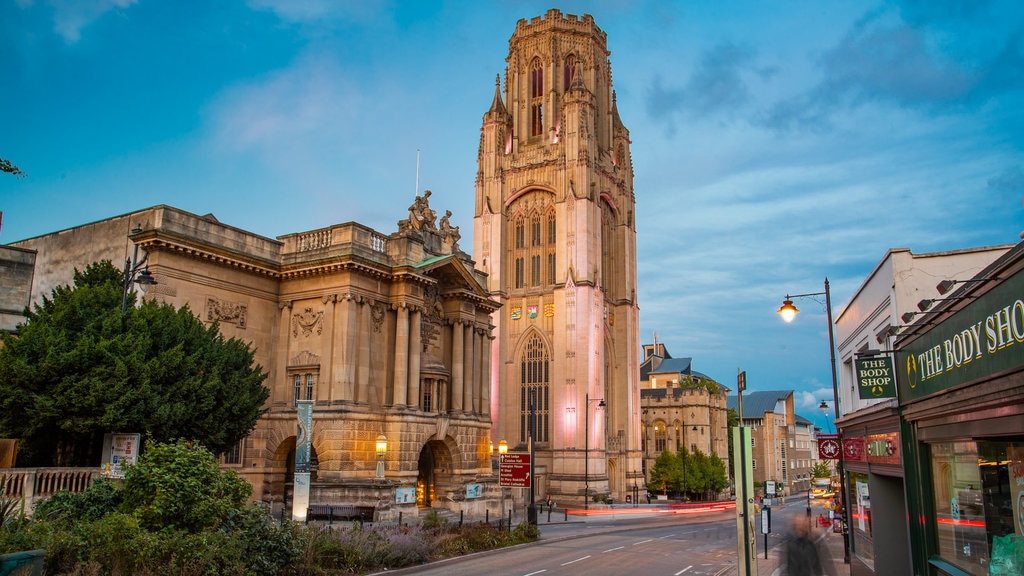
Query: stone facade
point(16, 269)
point(385, 333)
point(554, 231)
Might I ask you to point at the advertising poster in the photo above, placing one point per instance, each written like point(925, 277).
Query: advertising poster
point(474, 491)
point(405, 495)
point(1016, 470)
point(119, 451)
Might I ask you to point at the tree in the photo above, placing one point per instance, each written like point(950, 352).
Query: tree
point(7, 167)
point(666, 474)
point(79, 367)
point(822, 469)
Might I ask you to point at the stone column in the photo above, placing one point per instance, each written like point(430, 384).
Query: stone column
point(349, 340)
point(485, 374)
point(324, 387)
point(280, 389)
point(469, 372)
point(401, 380)
point(363, 367)
point(415, 347)
point(458, 355)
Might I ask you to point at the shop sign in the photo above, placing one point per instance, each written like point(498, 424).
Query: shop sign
point(853, 449)
point(982, 339)
point(828, 447)
point(883, 448)
point(875, 377)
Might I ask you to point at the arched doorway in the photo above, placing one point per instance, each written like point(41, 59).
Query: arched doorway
point(434, 480)
point(285, 458)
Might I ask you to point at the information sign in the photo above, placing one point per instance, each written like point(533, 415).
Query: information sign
point(514, 470)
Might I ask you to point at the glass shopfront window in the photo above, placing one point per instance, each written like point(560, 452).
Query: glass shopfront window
point(979, 501)
point(859, 500)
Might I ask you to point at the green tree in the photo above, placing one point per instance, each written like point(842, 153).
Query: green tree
point(666, 474)
point(822, 469)
point(79, 367)
point(7, 167)
point(732, 420)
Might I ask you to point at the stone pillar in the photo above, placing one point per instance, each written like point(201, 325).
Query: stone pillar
point(469, 372)
point(485, 374)
point(458, 354)
point(324, 387)
point(350, 338)
point(401, 380)
point(415, 347)
point(280, 389)
point(363, 367)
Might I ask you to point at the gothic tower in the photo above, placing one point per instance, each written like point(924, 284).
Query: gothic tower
point(554, 230)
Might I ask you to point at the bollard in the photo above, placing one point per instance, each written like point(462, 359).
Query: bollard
point(399, 517)
point(566, 512)
point(487, 516)
point(509, 519)
point(461, 513)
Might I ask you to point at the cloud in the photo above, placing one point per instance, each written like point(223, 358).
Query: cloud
point(319, 11)
point(71, 16)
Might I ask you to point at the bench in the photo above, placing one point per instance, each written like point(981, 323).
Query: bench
point(340, 513)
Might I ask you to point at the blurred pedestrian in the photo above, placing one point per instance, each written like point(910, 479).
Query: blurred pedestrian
point(805, 555)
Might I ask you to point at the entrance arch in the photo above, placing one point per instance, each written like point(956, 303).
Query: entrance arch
point(434, 480)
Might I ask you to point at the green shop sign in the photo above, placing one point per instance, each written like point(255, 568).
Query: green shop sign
point(875, 377)
point(984, 338)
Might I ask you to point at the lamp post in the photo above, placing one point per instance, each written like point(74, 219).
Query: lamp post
point(788, 311)
point(586, 449)
point(135, 272)
point(502, 450)
point(531, 507)
point(382, 448)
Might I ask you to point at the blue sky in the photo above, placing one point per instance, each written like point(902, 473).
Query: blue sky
point(774, 143)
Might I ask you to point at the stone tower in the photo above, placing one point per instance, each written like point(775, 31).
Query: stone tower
point(554, 230)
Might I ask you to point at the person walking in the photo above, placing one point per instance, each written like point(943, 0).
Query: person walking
point(804, 556)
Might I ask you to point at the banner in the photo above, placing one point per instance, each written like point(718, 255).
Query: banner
point(876, 377)
point(829, 447)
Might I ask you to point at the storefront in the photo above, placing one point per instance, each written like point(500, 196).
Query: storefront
point(961, 390)
point(879, 542)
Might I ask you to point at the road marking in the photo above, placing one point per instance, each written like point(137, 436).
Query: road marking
point(666, 536)
point(642, 542)
point(571, 561)
point(613, 549)
point(683, 570)
point(537, 572)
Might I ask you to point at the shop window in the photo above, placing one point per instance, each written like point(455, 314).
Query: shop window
point(974, 500)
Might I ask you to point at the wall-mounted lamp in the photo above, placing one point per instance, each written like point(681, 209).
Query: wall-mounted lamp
point(947, 285)
point(927, 302)
point(871, 353)
point(136, 272)
point(382, 448)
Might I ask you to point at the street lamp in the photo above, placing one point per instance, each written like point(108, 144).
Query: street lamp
point(502, 450)
point(788, 311)
point(135, 272)
point(586, 449)
point(382, 448)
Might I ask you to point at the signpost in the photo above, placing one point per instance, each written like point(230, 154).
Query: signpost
point(514, 470)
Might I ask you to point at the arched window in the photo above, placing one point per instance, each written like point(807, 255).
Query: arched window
point(534, 375)
point(659, 437)
point(551, 247)
point(536, 98)
point(569, 70)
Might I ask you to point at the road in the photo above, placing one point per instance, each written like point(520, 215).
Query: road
point(655, 543)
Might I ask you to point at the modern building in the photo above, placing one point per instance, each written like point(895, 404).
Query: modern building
point(555, 235)
point(680, 408)
point(782, 440)
point(387, 334)
point(901, 285)
point(18, 266)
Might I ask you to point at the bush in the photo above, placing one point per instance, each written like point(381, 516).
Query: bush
point(94, 503)
point(181, 487)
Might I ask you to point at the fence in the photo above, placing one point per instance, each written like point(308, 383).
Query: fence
point(30, 485)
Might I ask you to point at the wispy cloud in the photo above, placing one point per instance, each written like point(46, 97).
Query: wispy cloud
point(71, 16)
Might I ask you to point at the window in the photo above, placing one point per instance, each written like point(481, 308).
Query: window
point(520, 227)
point(753, 464)
point(551, 267)
point(533, 385)
point(659, 437)
point(427, 393)
point(536, 97)
point(304, 385)
point(234, 455)
point(535, 270)
point(569, 70)
point(535, 238)
point(520, 273)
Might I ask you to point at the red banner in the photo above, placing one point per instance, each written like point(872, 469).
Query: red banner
point(829, 447)
point(853, 449)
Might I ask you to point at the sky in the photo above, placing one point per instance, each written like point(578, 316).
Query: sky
point(775, 144)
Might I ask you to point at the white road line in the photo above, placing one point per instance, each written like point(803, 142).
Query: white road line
point(642, 542)
point(666, 536)
point(613, 549)
point(537, 572)
point(573, 561)
point(683, 570)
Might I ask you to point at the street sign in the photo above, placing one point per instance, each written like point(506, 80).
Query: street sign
point(514, 470)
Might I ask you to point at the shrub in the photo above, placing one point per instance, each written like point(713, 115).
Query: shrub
point(432, 520)
point(93, 503)
point(181, 487)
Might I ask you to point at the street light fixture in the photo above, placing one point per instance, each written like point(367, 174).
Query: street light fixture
point(788, 311)
point(135, 272)
point(382, 448)
point(586, 449)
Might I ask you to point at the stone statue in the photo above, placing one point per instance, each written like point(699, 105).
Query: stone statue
point(449, 234)
point(421, 216)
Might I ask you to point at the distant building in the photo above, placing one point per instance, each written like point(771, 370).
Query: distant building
point(18, 265)
point(782, 440)
point(680, 408)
